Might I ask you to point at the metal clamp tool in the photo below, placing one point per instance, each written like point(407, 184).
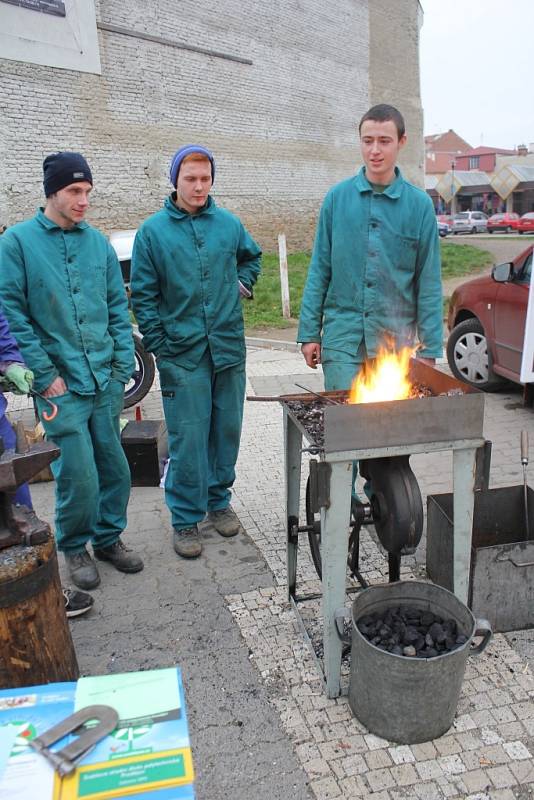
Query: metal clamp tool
point(64, 761)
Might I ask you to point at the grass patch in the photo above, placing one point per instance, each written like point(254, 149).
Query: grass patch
point(265, 311)
point(458, 260)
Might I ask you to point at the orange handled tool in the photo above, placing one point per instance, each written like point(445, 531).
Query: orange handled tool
point(47, 416)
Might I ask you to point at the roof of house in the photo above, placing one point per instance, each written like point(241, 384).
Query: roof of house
point(448, 142)
point(483, 150)
point(441, 149)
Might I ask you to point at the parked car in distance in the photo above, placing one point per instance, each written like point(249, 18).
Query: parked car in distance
point(503, 223)
point(122, 242)
point(446, 218)
point(443, 228)
point(526, 223)
point(469, 222)
point(486, 321)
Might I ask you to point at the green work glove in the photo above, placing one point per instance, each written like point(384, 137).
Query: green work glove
point(20, 377)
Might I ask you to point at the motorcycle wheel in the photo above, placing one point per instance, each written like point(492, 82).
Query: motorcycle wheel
point(143, 376)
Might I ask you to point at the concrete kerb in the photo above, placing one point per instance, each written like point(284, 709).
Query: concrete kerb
point(272, 344)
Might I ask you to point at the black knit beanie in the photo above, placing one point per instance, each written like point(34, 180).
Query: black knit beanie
point(62, 169)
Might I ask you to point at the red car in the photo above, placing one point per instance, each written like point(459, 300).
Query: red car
point(487, 324)
point(526, 223)
point(503, 223)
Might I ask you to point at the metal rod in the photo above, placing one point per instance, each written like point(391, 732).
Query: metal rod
point(394, 563)
point(106, 26)
point(524, 462)
point(267, 399)
point(320, 396)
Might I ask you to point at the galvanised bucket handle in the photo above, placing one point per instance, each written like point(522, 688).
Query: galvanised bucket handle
point(482, 628)
point(341, 615)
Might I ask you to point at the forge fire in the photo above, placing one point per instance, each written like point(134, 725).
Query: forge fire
point(385, 377)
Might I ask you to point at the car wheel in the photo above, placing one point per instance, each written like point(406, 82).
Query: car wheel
point(508, 229)
point(473, 229)
point(468, 356)
point(490, 230)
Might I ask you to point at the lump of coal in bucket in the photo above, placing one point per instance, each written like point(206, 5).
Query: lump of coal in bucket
point(437, 632)
point(427, 618)
point(411, 635)
point(411, 632)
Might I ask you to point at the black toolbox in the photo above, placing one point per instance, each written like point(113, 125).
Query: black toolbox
point(145, 445)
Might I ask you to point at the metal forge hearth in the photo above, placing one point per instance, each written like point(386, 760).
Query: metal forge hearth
point(450, 419)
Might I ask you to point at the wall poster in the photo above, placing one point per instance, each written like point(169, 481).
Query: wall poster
point(55, 7)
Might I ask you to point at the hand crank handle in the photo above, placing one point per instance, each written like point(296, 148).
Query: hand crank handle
point(53, 413)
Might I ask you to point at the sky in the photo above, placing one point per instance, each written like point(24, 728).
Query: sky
point(477, 70)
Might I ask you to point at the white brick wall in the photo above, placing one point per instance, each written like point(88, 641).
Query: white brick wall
point(282, 129)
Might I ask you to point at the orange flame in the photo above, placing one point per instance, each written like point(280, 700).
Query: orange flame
point(383, 378)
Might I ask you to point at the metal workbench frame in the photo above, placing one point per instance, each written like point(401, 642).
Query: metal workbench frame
point(335, 519)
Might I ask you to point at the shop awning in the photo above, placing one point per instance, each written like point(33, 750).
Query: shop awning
point(462, 182)
point(511, 177)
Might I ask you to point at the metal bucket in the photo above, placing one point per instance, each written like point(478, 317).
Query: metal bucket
point(402, 699)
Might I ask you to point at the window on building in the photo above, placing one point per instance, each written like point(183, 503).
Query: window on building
point(474, 162)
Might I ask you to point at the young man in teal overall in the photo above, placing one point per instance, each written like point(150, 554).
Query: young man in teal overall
point(63, 295)
point(375, 270)
point(192, 262)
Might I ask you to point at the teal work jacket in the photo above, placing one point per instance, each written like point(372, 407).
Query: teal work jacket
point(186, 270)
point(375, 270)
point(63, 295)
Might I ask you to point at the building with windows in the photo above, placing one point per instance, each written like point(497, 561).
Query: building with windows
point(481, 158)
point(441, 149)
point(275, 90)
point(488, 179)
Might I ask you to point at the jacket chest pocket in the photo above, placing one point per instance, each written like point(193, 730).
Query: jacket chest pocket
point(94, 280)
point(407, 252)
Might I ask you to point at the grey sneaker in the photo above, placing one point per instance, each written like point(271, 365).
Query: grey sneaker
point(226, 522)
point(186, 542)
point(122, 558)
point(82, 569)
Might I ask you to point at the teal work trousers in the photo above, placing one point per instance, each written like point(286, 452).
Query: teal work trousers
point(204, 414)
point(338, 376)
point(340, 369)
point(92, 473)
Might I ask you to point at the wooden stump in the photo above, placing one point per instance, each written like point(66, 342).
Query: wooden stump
point(35, 642)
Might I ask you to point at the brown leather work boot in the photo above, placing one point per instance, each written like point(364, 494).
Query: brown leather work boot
point(226, 522)
point(186, 542)
point(122, 558)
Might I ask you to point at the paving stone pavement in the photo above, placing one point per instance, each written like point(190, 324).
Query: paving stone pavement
point(260, 724)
